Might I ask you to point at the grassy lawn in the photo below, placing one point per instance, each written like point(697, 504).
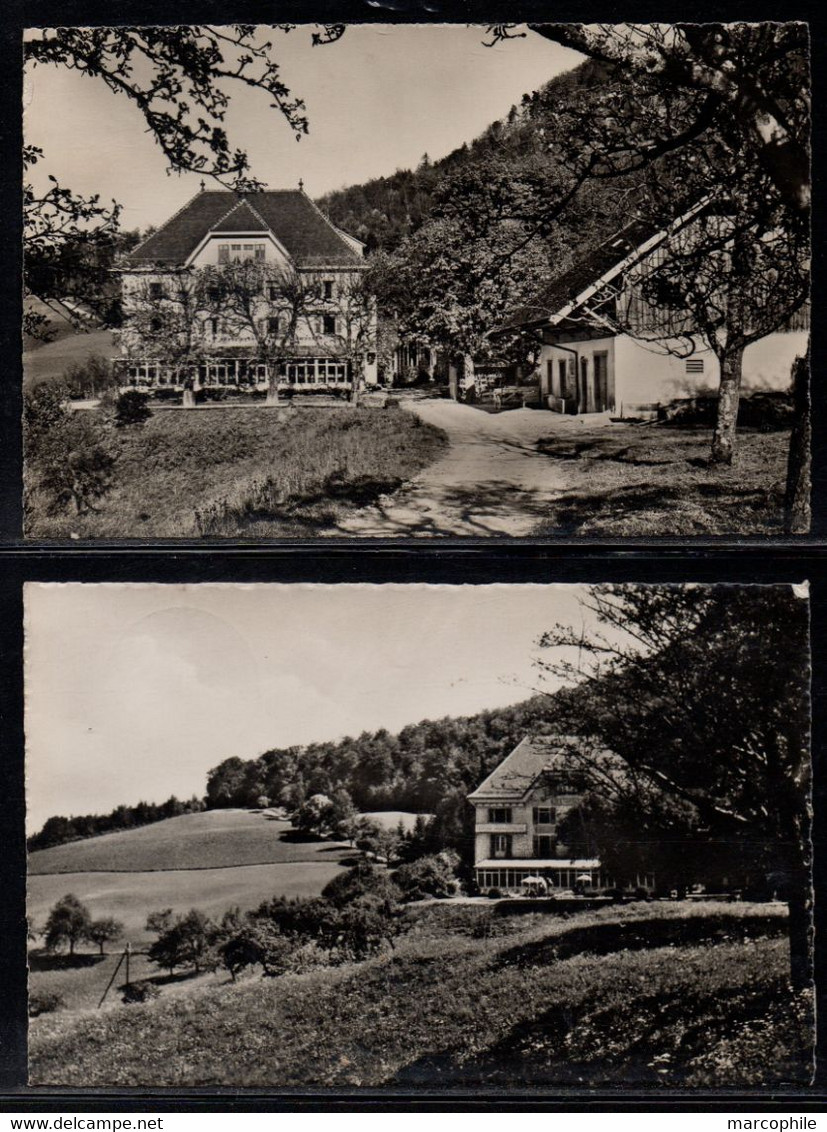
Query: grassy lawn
point(648, 481)
point(242, 473)
point(214, 839)
point(647, 995)
point(48, 361)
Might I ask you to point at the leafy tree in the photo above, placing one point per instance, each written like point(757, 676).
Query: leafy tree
point(254, 943)
point(264, 304)
point(705, 110)
point(164, 321)
point(184, 941)
point(69, 922)
point(226, 784)
point(315, 816)
point(159, 922)
point(180, 79)
point(702, 693)
point(752, 75)
point(105, 931)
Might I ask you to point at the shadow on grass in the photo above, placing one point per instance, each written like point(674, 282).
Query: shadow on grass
point(638, 935)
point(717, 508)
point(42, 960)
point(599, 450)
point(581, 1045)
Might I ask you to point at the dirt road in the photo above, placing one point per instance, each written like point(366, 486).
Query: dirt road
point(491, 480)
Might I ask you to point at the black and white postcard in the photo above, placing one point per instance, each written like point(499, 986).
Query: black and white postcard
point(403, 281)
point(406, 837)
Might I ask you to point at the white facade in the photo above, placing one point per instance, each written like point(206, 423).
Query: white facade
point(624, 375)
point(333, 325)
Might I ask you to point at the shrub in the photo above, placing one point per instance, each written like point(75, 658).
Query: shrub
point(142, 991)
point(132, 409)
point(429, 876)
point(44, 1002)
point(362, 880)
point(73, 464)
point(494, 894)
point(44, 407)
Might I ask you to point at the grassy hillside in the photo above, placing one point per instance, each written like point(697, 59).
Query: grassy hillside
point(215, 839)
point(244, 473)
point(534, 1001)
point(48, 361)
point(212, 861)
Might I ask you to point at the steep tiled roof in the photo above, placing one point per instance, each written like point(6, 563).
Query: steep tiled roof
point(242, 218)
point(522, 767)
point(595, 263)
point(289, 214)
point(587, 270)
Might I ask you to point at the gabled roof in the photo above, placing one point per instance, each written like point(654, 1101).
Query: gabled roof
point(242, 218)
point(517, 773)
point(622, 250)
point(292, 217)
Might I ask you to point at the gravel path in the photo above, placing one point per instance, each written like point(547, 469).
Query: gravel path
point(491, 480)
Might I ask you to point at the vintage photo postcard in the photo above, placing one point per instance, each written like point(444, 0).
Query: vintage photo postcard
point(417, 281)
point(407, 837)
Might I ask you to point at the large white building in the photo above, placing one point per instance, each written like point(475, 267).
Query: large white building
point(520, 808)
point(285, 235)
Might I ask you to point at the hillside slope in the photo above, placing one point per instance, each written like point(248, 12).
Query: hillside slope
point(514, 1007)
point(215, 839)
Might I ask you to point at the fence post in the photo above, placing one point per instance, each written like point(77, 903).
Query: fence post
point(111, 981)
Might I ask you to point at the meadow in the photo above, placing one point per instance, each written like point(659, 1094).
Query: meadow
point(243, 472)
point(212, 861)
point(209, 840)
point(471, 1000)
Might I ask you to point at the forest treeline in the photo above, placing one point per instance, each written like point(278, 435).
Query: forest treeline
point(428, 767)
point(58, 830)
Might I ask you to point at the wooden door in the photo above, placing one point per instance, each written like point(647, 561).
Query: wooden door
point(601, 382)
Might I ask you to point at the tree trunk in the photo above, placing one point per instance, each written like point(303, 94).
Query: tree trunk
point(723, 438)
point(272, 385)
point(797, 496)
point(355, 378)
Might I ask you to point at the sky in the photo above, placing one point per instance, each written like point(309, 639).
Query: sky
point(135, 691)
point(377, 100)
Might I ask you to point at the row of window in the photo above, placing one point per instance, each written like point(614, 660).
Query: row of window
point(543, 846)
point(542, 815)
point(305, 371)
point(513, 878)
